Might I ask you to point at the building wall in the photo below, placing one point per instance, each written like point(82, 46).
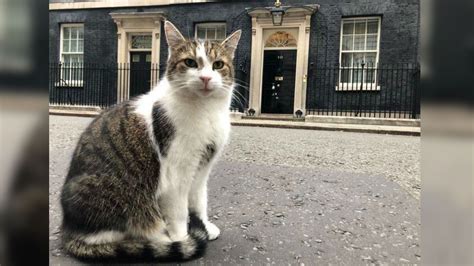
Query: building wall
point(399, 29)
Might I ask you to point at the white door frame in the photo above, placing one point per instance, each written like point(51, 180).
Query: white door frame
point(128, 24)
point(298, 18)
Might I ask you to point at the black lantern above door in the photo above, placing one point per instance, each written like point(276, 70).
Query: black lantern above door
point(277, 14)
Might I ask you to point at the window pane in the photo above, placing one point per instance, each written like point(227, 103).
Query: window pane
point(80, 58)
point(80, 47)
point(81, 33)
point(220, 33)
point(360, 27)
point(72, 68)
point(66, 58)
point(211, 33)
point(359, 35)
point(66, 68)
point(65, 46)
point(73, 46)
point(348, 28)
point(371, 42)
point(358, 59)
point(201, 33)
point(356, 75)
point(141, 42)
point(74, 32)
point(66, 33)
point(77, 67)
point(135, 58)
point(346, 59)
point(370, 59)
point(347, 42)
point(359, 42)
point(373, 26)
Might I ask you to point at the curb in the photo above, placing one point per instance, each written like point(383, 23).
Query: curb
point(400, 122)
point(73, 113)
point(392, 130)
point(376, 129)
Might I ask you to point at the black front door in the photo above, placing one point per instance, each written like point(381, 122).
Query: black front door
point(140, 73)
point(278, 87)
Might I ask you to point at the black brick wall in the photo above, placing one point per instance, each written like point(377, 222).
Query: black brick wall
point(399, 30)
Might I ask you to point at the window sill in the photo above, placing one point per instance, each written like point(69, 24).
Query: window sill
point(70, 84)
point(357, 87)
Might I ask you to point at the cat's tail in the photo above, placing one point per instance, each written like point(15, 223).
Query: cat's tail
point(193, 246)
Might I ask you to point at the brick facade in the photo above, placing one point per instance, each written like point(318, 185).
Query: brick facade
point(399, 29)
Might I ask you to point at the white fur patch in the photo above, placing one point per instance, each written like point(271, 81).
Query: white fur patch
point(144, 108)
point(207, 70)
point(198, 122)
point(212, 230)
point(201, 54)
point(160, 243)
point(188, 247)
point(103, 237)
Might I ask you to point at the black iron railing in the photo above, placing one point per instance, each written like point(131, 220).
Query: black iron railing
point(100, 85)
point(103, 85)
point(384, 91)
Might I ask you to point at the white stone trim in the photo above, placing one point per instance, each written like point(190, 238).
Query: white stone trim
point(134, 23)
point(350, 85)
point(119, 3)
point(299, 18)
point(210, 24)
point(70, 82)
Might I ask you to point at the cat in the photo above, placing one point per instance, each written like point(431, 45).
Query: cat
point(299, 114)
point(137, 182)
point(251, 112)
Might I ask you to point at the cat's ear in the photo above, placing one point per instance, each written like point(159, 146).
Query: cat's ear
point(173, 36)
point(232, 41)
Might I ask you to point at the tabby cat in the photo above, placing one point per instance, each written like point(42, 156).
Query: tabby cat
point(137, 183)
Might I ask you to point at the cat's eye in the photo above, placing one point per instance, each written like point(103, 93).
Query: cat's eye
point(190, 63)
point(218, 65)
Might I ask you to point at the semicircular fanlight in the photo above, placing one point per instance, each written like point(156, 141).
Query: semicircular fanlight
point(281, 39)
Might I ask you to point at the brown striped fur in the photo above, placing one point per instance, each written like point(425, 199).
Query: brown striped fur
point(110, 199)
point(115, 146)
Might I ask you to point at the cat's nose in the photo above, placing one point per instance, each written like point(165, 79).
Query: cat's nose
point(205, 79)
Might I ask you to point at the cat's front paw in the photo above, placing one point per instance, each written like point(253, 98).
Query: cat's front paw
point(212, 230)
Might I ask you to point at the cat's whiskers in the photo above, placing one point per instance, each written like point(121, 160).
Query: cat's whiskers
point(236, 95)
point(240, 98)
point(243, 82)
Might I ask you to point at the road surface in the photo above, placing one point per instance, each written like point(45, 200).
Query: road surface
point(284, 196)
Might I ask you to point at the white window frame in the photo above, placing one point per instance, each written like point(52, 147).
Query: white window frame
point(210, 24)
point(140, 49)
point(354, 86)
point(69, 82)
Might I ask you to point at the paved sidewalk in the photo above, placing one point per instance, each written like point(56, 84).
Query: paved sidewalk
point(394, 130)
